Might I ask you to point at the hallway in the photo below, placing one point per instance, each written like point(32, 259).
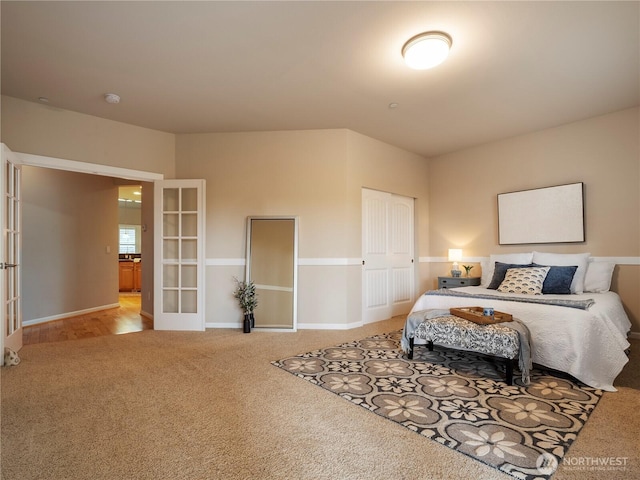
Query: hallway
point(113, 321)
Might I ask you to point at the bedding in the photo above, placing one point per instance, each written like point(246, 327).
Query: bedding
point(558, 279)
point(584, 335)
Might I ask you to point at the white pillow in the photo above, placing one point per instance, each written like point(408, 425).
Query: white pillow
point(566, 259)
point(515, 258)
point(527, 281)
point(598, 276)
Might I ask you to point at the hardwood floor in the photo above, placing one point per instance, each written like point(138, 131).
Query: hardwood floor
point(114, 321)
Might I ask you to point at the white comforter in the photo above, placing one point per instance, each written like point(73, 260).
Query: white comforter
point(588, 344)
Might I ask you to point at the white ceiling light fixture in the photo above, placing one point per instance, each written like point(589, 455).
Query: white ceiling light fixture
point(111, 98)
point(426, 50)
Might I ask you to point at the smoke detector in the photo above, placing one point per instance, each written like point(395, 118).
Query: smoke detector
point(111, 98)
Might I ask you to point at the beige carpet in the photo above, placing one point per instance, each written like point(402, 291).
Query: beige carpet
point(164, 405)
point(458, 399)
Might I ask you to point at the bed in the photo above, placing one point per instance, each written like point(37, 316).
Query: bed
point(582, 332)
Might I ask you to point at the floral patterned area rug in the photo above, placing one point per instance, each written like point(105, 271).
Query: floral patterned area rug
point(458, 399)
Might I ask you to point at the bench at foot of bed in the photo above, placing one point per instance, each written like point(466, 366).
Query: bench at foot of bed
point(508, 362)
point(497, 340)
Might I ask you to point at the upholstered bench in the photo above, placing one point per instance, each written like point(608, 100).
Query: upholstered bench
point(496, 340)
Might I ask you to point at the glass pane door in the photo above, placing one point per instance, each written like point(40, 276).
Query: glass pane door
point(10, 217)
point(179, 207)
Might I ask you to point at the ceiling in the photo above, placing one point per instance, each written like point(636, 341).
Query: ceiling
point(190, 67)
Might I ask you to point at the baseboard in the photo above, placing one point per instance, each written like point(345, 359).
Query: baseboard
point(146, 314)
point(329, 326)
point(301, 326)
point(634, 335)
point(61, 316)
point(223, 325)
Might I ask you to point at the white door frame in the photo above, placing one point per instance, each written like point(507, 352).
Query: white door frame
point(84, 167)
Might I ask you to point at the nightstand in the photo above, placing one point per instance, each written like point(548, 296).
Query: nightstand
point(453, 282)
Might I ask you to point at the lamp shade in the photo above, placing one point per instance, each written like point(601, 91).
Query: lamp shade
point(455, 254)
point(426, 50)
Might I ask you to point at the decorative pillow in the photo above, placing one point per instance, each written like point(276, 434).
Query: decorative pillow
point(563, 259)
point(500, 270)
point(526, 281)
point(558, 280)
point(516, 258)
point(598, 276)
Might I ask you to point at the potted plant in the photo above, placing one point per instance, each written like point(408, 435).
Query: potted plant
point(247, 297)
point(468, 269)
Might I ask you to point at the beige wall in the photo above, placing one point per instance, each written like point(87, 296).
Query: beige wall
point(147, 248)
point(316, 175)
point(38, 129)
point(602, 152)
point(44, 130)
point(129, 213)
point(267, 173)
point(66, 266)
point(379, 166)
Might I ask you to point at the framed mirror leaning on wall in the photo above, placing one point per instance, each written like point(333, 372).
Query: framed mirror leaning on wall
point(272, 265)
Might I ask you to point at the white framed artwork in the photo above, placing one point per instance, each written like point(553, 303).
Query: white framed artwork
point(542, 215)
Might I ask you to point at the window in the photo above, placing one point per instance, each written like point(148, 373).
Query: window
point(127, 240)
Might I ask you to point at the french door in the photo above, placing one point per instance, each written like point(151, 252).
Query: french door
point(179, 213)
point(388, 271)
point(10, 244)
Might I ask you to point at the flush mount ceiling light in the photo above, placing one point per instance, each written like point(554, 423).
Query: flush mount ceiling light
point(426, 50)
point(111, 98)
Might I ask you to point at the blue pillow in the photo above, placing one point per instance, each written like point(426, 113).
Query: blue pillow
point(500, 271)
point(558, 279)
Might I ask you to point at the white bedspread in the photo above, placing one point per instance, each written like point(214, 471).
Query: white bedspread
point(587, 344)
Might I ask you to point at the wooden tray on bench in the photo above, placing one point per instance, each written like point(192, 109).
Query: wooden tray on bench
point(475, 315)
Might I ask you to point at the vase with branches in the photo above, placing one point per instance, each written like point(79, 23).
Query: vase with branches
point(247, 297)
point(468, 269)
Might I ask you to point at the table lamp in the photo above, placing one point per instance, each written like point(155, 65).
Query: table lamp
point(455, 255)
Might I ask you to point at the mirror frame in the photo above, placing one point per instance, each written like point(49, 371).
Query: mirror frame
point(295, 266)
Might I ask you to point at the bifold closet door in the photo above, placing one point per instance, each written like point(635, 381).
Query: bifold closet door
point(388, 263)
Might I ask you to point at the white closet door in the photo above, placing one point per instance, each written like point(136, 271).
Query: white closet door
point(401, 254)
point(387, 249)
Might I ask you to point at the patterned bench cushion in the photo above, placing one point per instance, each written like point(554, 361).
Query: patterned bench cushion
point(455, 332)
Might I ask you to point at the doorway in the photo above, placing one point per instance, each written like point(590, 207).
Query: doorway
point(130, 265)
point(69, 247)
